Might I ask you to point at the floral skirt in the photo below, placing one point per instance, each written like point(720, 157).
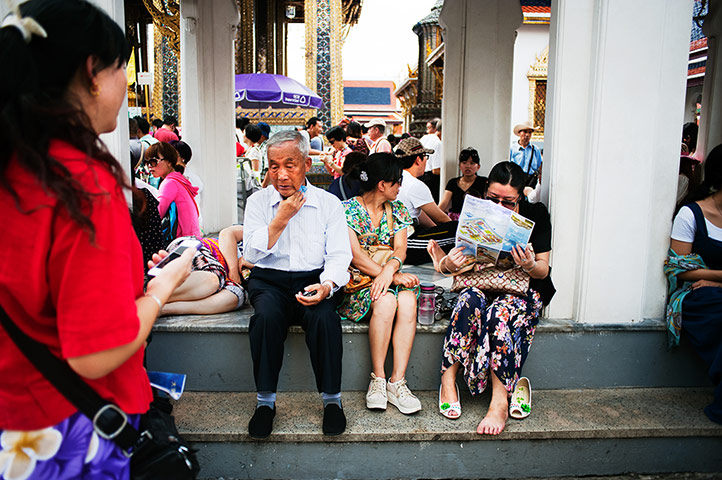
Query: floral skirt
point(355, 306)
point(68, 450)
point(490, 335)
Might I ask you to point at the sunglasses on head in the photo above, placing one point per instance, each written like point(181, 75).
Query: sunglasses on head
point(504, 203)
point(152, 162)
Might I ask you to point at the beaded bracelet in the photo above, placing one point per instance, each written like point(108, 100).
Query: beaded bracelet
point(401, 264)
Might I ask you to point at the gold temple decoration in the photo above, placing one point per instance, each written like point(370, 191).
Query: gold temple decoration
point(537, 76)
point(336, 107)
point(166, 18)
point(244, 37)
point(309, 13)
point(157, 100)
point(166, 23)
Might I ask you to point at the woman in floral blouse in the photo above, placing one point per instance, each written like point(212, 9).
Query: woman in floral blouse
point(390, 301)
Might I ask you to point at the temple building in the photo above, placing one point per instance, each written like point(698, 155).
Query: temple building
point(260, 46)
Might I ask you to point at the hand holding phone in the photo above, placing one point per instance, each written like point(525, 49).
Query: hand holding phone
point(173, 254)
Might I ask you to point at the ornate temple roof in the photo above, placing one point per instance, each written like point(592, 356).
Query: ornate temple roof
point(433, 17)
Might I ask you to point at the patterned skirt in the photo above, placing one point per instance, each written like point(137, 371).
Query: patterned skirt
point(486, 335)
point(68, 450)
point(355, 306)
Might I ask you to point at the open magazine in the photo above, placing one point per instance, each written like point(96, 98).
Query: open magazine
point(488, 232)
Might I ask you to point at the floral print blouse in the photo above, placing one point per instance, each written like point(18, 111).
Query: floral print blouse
point(358, 219)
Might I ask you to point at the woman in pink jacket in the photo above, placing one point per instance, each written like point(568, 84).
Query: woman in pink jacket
point(162, 160)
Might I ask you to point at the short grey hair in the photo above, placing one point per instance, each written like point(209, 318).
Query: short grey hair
point(290, 136)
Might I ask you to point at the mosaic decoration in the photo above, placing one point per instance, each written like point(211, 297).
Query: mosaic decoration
point(171, 88)
point(323, 58)
point(277, 116)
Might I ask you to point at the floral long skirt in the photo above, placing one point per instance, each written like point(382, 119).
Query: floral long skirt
point(490, 336)
point(68, 450)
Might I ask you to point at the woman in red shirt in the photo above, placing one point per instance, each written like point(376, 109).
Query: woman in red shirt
point(71, 272)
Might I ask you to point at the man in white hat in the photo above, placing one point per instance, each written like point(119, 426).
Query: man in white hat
point(376, 129)
point(524, 154)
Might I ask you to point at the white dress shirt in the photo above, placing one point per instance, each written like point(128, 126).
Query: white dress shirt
point(316, 237)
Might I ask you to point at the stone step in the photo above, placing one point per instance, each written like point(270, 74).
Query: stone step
point(214, 352)
point(570, 432)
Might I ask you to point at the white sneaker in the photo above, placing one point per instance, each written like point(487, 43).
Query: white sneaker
point(401, 397)
point(376, 396)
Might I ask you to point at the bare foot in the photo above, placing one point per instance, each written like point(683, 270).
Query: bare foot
point(495, 419)
point(436, 254)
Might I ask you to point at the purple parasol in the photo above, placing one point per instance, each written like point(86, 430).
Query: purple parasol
point(262, 90)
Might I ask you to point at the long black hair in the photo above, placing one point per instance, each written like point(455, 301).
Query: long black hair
point(377, 167)
point(508, 173)
point(712, 177)
point(34, 100)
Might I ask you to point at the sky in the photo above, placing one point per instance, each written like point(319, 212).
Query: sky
point(378, 48)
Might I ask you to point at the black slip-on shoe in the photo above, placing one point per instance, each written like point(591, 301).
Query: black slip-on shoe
point(261, 424)
point(334, 420)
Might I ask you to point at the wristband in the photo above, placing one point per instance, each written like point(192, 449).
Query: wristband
point(527, 270)
point(401, 264)
point(157, 300)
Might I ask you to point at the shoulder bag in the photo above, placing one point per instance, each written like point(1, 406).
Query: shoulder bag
point(490, 278)
point(158, 453)
point(379, 253)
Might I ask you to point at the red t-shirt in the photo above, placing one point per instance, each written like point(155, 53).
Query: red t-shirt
point(75, 296)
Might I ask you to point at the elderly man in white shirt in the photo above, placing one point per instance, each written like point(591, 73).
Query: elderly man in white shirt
point(296, 236)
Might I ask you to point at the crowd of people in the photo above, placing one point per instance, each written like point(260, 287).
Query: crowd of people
point(303, 256)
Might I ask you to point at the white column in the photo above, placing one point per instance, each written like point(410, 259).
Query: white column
point(207, 108)
point(710, 134)
point(612, 150)
point(117, 141)
point(478, 65)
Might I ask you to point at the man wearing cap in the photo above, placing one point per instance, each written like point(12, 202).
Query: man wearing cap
point(377, 128)
point(429, 219)
point(524, 154)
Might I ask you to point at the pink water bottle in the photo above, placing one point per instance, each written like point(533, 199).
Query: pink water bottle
point(427, 304)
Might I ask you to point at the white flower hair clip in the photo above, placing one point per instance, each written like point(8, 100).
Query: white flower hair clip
point(28, 26)
point(364, 176)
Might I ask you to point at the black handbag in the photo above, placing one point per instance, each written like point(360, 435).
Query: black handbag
point(157, 453)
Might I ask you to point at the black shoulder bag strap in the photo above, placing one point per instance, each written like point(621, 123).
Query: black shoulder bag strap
point(531, 160)
point(109, 421)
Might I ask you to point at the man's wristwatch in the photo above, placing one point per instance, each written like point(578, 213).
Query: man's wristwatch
point(330, 286)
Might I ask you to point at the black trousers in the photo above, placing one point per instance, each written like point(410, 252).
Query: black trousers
point(272, 294)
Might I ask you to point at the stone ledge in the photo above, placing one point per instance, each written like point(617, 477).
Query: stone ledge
point(557, 414)
point(237, 321)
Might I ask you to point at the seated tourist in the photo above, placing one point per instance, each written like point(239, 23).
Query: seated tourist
point(490, 333)
point(336, 136)
point(347, 185)
point(375, 217)
point(694, 272)
point(296, 236)
point(208, 289)
point(469, 183)
point(429, 220)
point(163, 161)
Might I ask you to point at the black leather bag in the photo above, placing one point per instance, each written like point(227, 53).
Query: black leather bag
point(158, 453)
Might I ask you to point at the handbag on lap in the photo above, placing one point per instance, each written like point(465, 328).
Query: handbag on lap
point(379, 253)
point(490, 278)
